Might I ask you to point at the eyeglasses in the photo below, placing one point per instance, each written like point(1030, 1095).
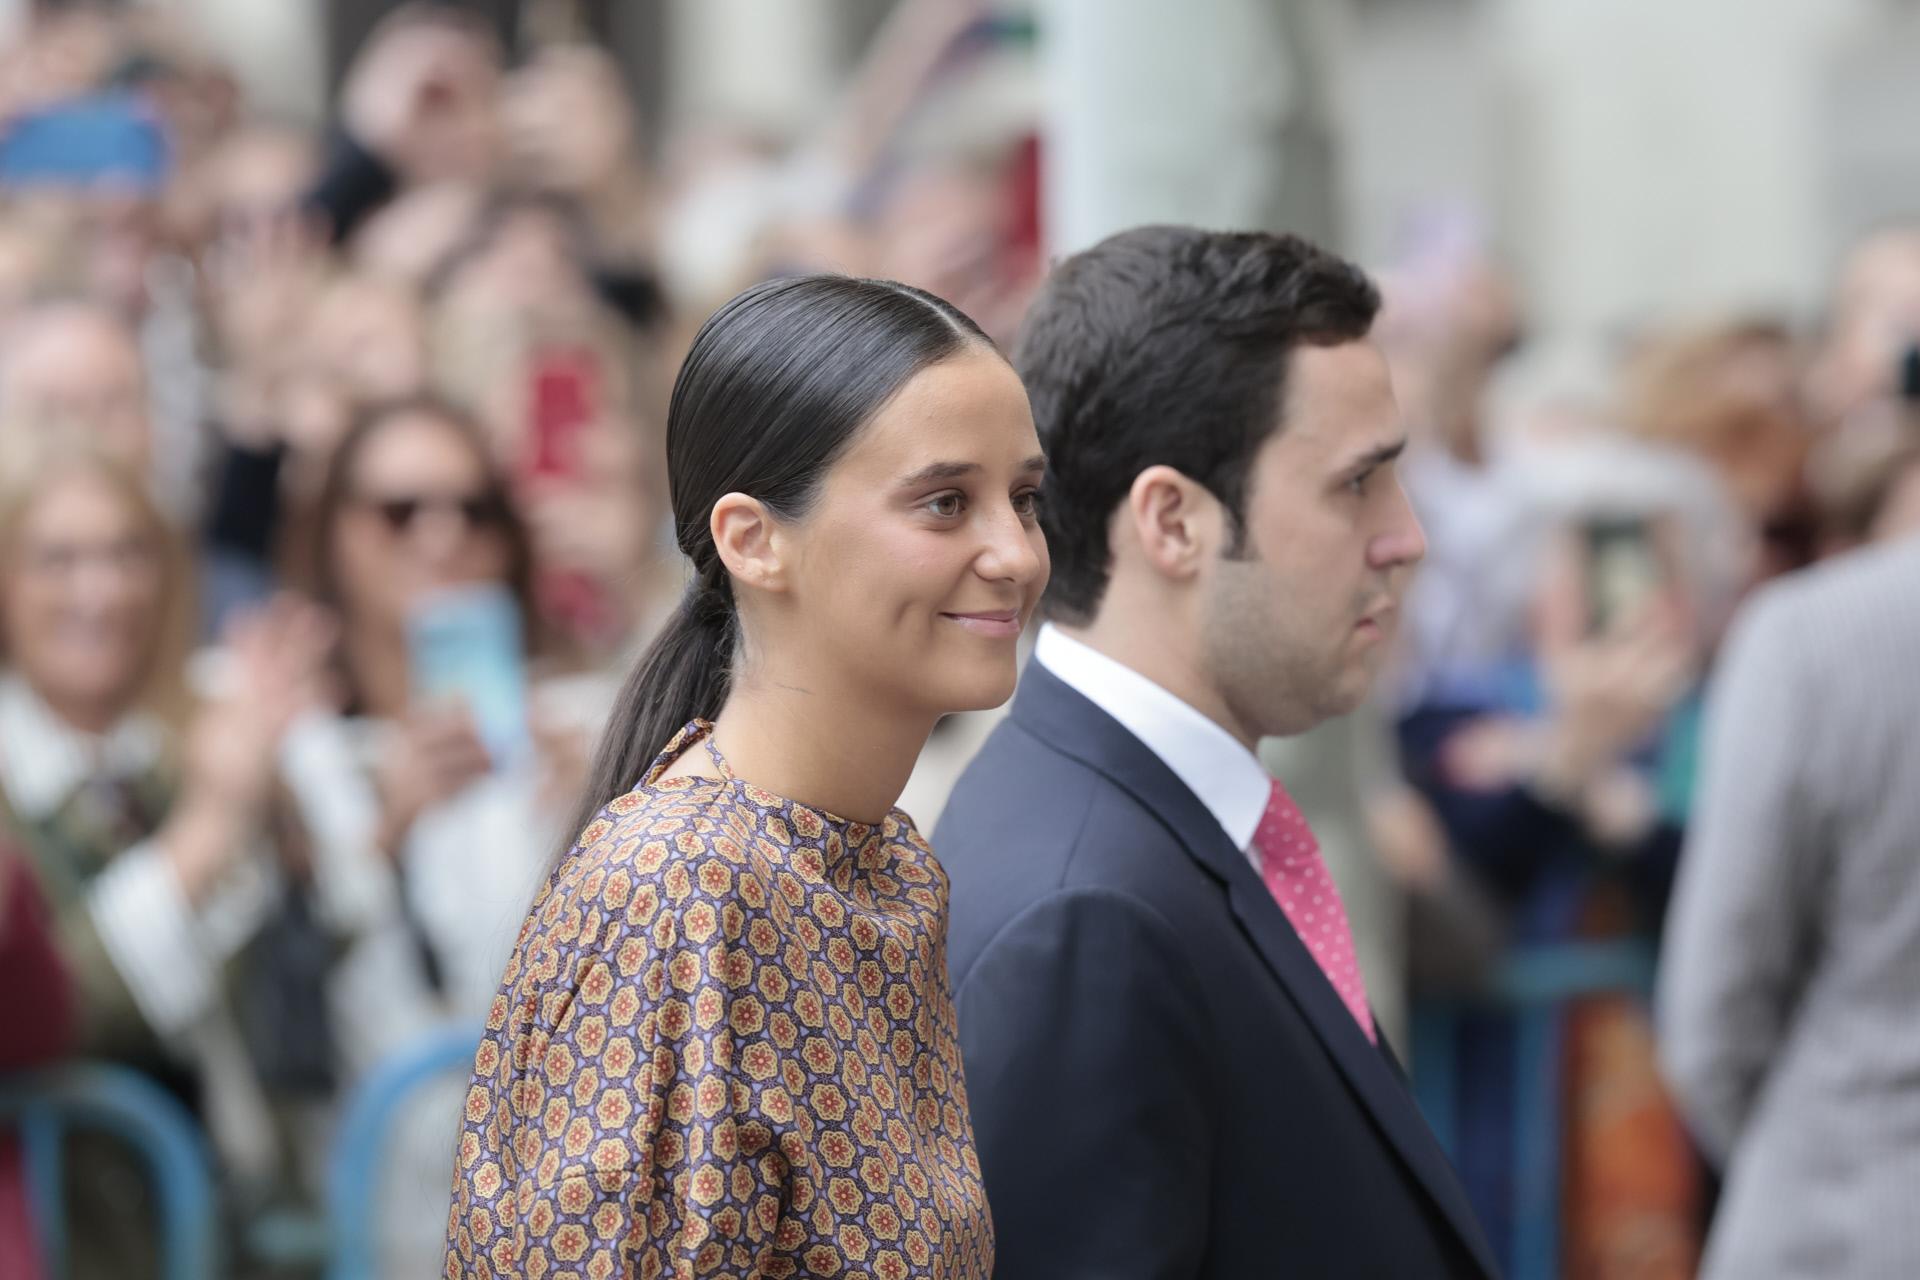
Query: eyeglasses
point(480, 511)
point(62, 560)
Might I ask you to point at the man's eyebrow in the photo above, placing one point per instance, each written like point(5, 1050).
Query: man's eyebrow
point(1378, 456)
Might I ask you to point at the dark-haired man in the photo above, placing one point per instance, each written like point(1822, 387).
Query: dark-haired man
point(1170, 1059)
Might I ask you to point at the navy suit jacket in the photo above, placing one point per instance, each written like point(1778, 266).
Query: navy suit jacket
point(1162, 1081)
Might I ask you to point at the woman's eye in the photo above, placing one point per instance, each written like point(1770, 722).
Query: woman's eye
point(1027, 504)
point(946, 506)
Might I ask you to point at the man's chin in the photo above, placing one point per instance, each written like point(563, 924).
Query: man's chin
point(1345, 697)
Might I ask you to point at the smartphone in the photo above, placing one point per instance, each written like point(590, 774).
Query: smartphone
point(1624, 570)
point(467, 644)
point(563, 398)
point(105, 140)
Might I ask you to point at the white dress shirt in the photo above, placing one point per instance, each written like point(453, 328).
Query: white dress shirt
point(1228, 779)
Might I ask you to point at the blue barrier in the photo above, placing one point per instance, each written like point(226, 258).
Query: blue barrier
point(353, 1172)
point(44, 1106)
point(1532, 986)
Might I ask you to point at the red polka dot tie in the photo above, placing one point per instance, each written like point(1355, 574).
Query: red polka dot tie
point(1299, 881)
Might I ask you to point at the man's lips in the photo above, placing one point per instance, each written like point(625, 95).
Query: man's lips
point(1379, 618)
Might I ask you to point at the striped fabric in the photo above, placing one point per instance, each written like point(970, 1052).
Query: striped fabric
point(1790, 992)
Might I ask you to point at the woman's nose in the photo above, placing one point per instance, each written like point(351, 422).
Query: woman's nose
point(1009, 552)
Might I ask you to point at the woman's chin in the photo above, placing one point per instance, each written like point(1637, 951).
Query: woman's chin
point(981, 691)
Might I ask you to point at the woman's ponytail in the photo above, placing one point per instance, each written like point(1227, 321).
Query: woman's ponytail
point(683, 676)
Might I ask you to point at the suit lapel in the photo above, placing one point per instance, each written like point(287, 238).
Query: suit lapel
point(1076, 727)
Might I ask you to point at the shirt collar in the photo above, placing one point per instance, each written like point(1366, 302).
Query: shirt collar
point(43, 759)
point(1227, 778)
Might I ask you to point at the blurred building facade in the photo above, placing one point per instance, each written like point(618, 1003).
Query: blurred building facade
point(1631, 158)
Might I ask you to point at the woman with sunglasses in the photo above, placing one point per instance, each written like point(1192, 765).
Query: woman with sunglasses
point(412, 514)
point(725, 1043)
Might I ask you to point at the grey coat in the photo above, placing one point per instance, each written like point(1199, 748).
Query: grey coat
point(1790, 995)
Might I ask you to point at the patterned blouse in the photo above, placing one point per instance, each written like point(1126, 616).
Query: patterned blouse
point(724, 1046)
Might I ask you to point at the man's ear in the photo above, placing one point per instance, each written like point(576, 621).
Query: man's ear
point(748, 539)
point(1176, 522)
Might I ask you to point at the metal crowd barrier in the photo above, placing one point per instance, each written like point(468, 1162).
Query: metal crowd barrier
point(1533, 986)
point(353, 1173)
point(43, 1107)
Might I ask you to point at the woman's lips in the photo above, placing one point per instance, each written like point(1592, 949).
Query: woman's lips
point(998, 624)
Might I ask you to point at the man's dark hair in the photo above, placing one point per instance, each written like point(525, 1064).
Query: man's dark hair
point(1168, 346)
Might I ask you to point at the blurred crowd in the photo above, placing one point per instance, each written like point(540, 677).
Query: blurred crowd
point(333, 512)
point(1595, 521)
point(284, 413)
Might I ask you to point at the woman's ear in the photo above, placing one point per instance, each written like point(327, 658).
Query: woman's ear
point(748, 540)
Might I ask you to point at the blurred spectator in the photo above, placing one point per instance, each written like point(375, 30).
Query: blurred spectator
point(175, 870)
point(326, 348)
point(250, 175)
point(425, 107)
point(412, 509)
point(1865, 478)
point(1787, 994)
point(563, 387)
point(1449, 319)
point(1730, 395)
point(1561, 776)
point(421, 104)
point(571, 132)
point(76, 368)
point(1872, 324)
point(516, 281)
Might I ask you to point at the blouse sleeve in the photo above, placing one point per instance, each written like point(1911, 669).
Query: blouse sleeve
point(654, 1127)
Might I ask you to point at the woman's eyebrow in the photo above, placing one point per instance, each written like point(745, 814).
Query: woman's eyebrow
point(940, 471)
point(934, 472)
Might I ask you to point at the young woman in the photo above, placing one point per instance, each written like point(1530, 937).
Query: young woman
point(724, 1042)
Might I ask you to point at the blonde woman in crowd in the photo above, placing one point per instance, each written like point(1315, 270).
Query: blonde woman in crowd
point(190, 906)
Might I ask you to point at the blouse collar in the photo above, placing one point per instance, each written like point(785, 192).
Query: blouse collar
point(43, 759)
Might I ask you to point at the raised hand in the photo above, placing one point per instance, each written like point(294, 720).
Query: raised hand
point(423, 96)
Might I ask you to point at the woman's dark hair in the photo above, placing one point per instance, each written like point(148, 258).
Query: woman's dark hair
point(1168, 346)
point(777, 384)
point(337, 494)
